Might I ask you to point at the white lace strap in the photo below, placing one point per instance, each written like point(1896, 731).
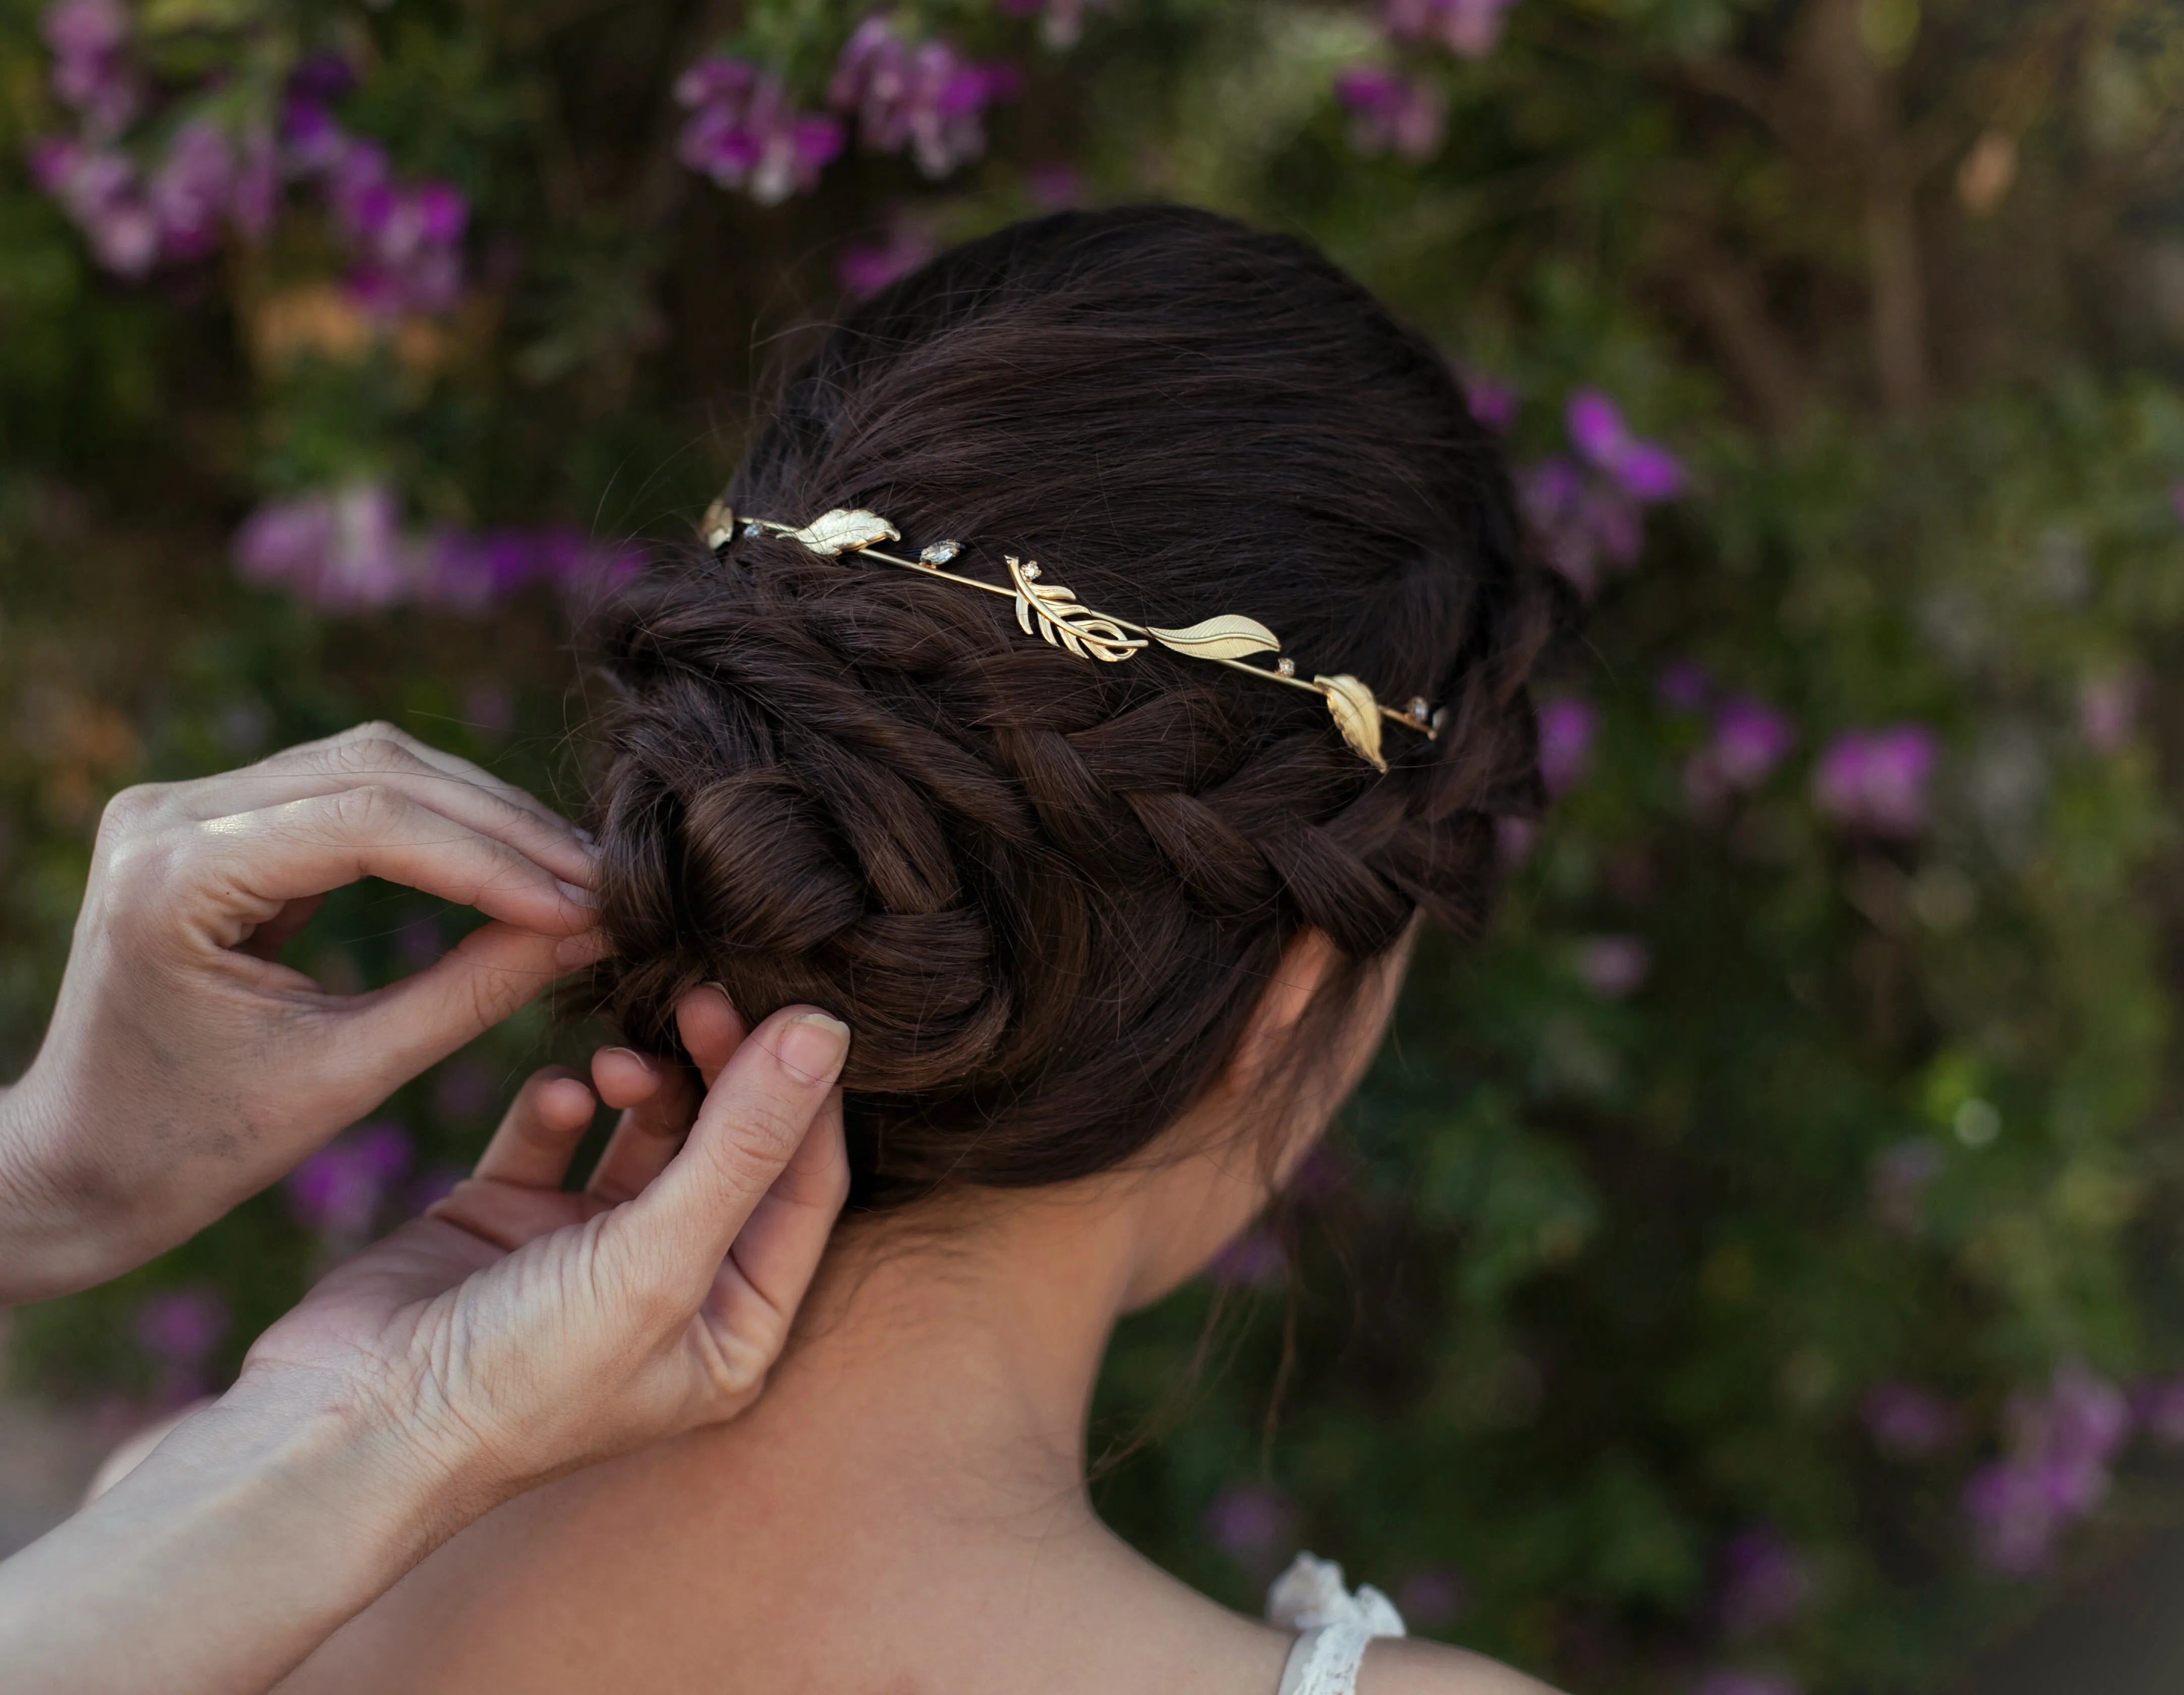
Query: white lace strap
point(1337, 1626)
point(1327, 1661)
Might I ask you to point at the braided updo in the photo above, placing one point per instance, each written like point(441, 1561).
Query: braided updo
point(1047, 893)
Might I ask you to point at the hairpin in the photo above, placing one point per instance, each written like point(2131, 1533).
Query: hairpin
point(1055, 614)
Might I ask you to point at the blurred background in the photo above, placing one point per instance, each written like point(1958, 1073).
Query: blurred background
point(1759, 1270)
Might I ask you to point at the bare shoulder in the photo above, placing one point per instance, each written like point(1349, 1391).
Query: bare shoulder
point(1406, 1666)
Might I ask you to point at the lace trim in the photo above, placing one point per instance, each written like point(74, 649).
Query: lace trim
point(1337, 1626)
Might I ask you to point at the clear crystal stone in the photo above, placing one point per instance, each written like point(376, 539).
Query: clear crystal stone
point(753, 527)
point(1421, 709)
point(940, 552)
point(1031, 571)
point(1286, 667)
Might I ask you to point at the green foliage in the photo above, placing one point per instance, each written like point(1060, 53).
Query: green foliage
point(1613, 1244)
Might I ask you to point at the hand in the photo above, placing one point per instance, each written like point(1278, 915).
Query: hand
point(517, 1331)
point(186, 1068)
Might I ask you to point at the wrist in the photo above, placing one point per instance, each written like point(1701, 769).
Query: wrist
point(55, 1234)
point(354, 1457)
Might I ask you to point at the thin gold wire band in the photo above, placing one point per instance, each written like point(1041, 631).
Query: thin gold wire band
point(1058, 617)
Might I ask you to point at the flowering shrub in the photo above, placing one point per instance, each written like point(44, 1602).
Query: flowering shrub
point(1749, 1272)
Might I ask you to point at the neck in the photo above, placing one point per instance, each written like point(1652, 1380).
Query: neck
point(946, 1358)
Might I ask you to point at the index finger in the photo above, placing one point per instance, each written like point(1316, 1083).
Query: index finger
point(754, 1117)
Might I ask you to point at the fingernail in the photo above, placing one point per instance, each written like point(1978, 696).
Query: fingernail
point(814, 1046)
point(583, 835)
point(632, 1053)
point(720, 989)
point(578, 895)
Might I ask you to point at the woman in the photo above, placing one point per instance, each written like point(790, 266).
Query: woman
point(1115, 926)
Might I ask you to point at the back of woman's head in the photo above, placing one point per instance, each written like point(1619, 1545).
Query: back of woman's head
point(1046, 894)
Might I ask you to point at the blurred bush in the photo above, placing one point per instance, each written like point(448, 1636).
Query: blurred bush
point(1756, 1270)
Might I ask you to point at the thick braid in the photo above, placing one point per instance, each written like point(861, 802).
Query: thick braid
point(1047, 893)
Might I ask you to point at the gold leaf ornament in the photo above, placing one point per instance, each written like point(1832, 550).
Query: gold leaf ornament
point(1356, 715)
point(845, 531)
point(1065, 623)
point(1229, 637)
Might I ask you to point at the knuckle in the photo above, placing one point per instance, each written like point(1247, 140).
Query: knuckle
point(363, 754)
point(131, 811)
point(141, 868)
point(758, 1141)
point(364, 809)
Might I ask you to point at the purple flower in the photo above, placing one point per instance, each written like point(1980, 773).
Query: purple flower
point(321, 78)
point(1254, 1524)
point(1907, 1422)
point(2060, 1444)
point(2107, 710)
point(1514, 838)
point(100, 190)
point(867, 267)
point(1749, 739)
point(1470, 28)
point(1684, 686)
point(1613, 966)
point(1432, 1596)
point(1902, 1174)
point(1874, 782)
point(339, 1189)
point(1252, 1260)
point(1645, 471)
point(1566, 734)
point(190, 188)
point(341, 551)
point(1765, 1582)
point(745, 131)
point(926, 98)
point(1492, 402)
point(1391, 113)
point(1055, 187)
point(1579, 519)
point(2159, 1409)
point(179, 1328)
point(90, 76)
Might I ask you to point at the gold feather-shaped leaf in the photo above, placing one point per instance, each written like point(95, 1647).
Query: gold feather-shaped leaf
point(1229, 637)
point(1356, 715)
point(1063, 623)
point(718, 525)
point(841, 531)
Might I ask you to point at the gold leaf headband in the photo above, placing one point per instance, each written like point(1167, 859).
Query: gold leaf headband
point(1056, 615)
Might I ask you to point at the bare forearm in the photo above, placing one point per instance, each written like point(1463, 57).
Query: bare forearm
point(50, 1243)
point(245, 1540)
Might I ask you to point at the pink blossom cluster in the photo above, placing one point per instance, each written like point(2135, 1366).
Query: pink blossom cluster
point(924, 97)
point(405, 239)
point(1764, 1583)
point(1254, 1524)
point(1613, 967)
point(1908, 1422)
point(1469, 27)
point(1746, 740)
point(1391, 112)
point(346, 549)
point(2061, 1443)
point(1585, 507)
point(211, 176)
point(340, 1189)
point(1567, 727)
point(1060, 22)
point(867, 267)
point(1875, 782)
point(746, 133)
point(139, 214)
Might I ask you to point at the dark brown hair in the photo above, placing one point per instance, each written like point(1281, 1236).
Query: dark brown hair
point(1046, 893)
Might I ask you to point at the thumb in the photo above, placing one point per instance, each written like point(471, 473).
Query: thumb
point(392, 1034)
point(754, 1117)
